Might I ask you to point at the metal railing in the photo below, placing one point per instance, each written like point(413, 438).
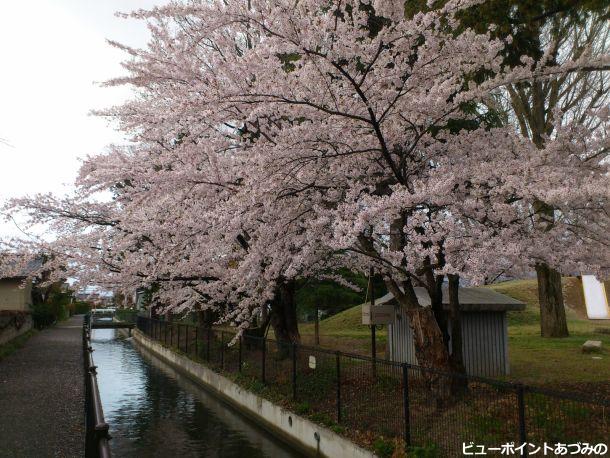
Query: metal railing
point(96, 428)
point(358, 396)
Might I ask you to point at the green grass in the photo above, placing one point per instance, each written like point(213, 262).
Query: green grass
point(12, 346)
point(533, 359)
point(345, 332)
point(553, 361)
point(344, 324)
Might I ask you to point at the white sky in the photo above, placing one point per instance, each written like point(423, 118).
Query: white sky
point(53, 54)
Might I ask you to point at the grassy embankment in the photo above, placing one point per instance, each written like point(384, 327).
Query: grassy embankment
point(533, 359)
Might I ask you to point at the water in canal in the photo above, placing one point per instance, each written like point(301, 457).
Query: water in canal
point(153, 411)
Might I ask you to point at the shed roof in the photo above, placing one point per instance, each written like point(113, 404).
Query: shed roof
point(471, 300)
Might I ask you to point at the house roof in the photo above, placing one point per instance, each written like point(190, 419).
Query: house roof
point(471, 300)
point(33, 265)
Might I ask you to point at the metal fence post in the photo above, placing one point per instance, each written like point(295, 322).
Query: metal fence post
point(263, 358)
point(178, 339)
point(239, 368)
point(405, 404)
point(522, 424)
point(294, 370)
point(197, 341)
point(208, 346)
point(338, 361)
point(188, 333)
point(222, 350)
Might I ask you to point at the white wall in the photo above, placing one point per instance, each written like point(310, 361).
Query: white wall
point(596, 299)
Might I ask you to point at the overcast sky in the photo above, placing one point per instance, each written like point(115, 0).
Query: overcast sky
point(54, 54)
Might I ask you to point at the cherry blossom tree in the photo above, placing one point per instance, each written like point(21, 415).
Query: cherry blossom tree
point(274, 140)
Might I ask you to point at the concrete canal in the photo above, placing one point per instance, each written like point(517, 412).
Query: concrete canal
point(155, 411)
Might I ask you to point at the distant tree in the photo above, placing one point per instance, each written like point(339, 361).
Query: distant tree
point(332, 297)
point(552, 32)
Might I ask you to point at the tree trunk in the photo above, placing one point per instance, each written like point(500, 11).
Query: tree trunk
point(456, 359)
point(552, 311)
point(435, 290)
point(284, 315)
point(430, 348)
point(430, 351)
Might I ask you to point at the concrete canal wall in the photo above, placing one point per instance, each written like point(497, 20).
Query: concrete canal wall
point(306, 435)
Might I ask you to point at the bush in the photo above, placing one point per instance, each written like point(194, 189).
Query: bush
point(126, 315)
point(51, 304)
point(303, 408)
point(46, 314)
point(81, 308)
point(383, 448)
point(429, 451)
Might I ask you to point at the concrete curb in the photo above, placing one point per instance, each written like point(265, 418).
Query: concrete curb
point(311, 438)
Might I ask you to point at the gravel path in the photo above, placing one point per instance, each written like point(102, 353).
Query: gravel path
point(42, 395)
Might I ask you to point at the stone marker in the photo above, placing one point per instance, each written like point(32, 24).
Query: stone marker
point(592, 346)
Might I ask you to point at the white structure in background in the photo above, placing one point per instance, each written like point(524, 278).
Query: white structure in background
point(596, 298)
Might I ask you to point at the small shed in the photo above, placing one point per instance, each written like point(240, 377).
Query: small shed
point(484, 329)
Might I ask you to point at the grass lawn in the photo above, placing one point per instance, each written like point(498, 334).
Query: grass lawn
point(534, 360)
point(539, 360)
point(345, 331)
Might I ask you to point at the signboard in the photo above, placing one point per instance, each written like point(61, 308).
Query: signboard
point(312, 362)
point(377, 314)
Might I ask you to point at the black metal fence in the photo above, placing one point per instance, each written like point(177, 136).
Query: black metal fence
point(96, 429)
point(364, 398)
